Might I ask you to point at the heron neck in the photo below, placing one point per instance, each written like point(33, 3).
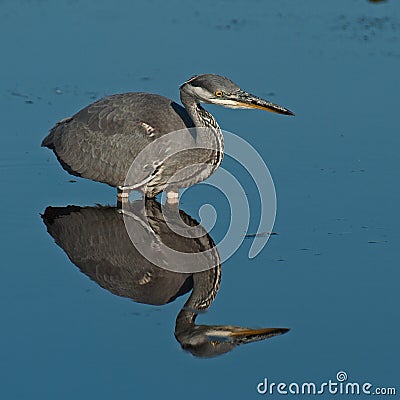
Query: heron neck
point(205, 288)
point(199, 116)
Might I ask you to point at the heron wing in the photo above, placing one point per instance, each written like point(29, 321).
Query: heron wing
point(96, 241)
point(101, 141)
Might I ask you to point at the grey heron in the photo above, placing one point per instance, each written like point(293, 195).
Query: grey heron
point(101, 141)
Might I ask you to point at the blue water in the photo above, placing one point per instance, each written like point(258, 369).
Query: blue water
point(329, 274)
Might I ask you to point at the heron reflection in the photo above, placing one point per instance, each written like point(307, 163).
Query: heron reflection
point(96, 240)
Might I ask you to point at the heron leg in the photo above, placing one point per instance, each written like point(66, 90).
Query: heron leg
point(172, 197)
point(122, 193)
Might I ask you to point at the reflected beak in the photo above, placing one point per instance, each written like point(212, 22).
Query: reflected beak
point(243, 335)
point(243, 99)
point(263, 333)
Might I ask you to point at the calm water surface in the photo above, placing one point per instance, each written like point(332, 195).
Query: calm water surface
point(329, 275)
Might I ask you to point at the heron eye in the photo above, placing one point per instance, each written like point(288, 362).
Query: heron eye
point(218, 93)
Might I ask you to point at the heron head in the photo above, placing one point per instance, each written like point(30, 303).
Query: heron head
point(216, 89)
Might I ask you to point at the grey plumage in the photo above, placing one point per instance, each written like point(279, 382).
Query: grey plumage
point(101, 141)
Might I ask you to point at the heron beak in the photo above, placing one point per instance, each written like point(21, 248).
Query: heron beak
point(246, 100)
point(237, 333)
point(260, 333)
